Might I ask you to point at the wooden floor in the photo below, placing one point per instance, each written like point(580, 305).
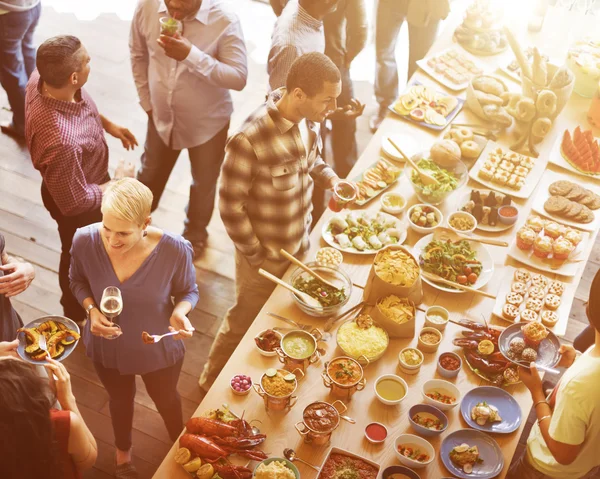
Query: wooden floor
point(31, 233)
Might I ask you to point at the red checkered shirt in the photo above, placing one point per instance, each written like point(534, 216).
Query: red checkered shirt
point(67, 145)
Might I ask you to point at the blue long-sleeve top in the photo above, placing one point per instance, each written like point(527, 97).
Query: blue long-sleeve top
point(168, 272)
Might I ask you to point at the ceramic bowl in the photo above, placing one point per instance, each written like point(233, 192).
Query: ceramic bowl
point(507, 220)
point(434, 411)
point(466, 216)
point(422, 229)
point(448, 373)
point(441, 386)
point(389, 402)
point(418, 442)
point(287, 463)
point(427, 347)
point(389, 471)
point(438, 311)
point(392, 210)
point(410, 368)
point(268, 354)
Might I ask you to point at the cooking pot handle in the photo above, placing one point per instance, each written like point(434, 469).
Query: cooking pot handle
point(342, 407)
point(361, 384)
point(293, 401)
point(317, 334)
point(326, 379)
point(281, 354)
point(363, 358)
point(314, 358)
point(258, 389)
point(299, 371)
point(348, 419)
point(304, 430)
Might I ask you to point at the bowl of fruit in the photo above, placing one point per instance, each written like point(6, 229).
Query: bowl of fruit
point(241, 384)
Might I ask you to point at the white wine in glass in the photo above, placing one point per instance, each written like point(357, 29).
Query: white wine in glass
point(111, 306)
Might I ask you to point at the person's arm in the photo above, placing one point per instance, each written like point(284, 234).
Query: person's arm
point(18, 275)
point(184, 291)
point(236, 182)
point(229, 69)
point(357, 29)
point(279, 64)
point(9, 348)
point(120, 132)
point(323, 174)
point(140, 59)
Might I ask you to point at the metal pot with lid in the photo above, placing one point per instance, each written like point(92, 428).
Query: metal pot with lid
point(320, 419)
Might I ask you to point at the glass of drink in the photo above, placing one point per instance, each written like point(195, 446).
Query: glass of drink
point(344, 192)
point(170, 26)
point(111, 306)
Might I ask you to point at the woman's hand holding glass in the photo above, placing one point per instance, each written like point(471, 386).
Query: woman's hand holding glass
point(180, 322)
point(100, 325)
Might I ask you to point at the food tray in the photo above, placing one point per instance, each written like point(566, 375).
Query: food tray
point(557, 159)
point(358, 178)
point(443, 80)
point(531, 180)
point(449, 117)
point(337, 450)
point(543, 194)
point(464, 199)
point(70, 324)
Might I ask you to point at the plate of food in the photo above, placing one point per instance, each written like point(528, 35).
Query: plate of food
point(363, 232)
point(571, 203)
point(507, 172)
point(426, 106)
point(578, 152)
point(481, 33)
point(375, 180)
point(549, 246)
point(463, 262)
point(469, 453)
point(484, 206)
point(528, 343)
point(340, 462)
point(452, 67)
point(525, 297)
point(491, 409)
point(61, 335)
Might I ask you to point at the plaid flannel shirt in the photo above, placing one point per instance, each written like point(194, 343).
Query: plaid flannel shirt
point(67, 145)
point(267, 183)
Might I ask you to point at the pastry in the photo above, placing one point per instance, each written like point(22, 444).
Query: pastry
point(552, 229)
point(534, 305)
point(518, 287)
point(522, 276)
point(561, 248)
point(534, 333)
point(514, 298)
point(539, 280)
point(549, 318)
point(510, 312)
point(560, 188)
point(557, 288)
point(528, 315)
point(470, 149)
point(536, 223)
point(536, 292)
point(525, 238)
point(573, 236)
point(542, 246)
point(552, 302)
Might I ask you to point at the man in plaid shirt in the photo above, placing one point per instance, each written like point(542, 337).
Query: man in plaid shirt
point(65, 137)
point(270, 167)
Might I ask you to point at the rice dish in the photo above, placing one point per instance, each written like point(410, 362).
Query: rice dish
point(370, 342)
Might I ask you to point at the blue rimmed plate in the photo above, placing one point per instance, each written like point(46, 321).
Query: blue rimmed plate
point(70, 324)
point(489, 451)
point(508, 408)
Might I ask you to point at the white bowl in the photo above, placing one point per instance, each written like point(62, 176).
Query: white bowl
point(421, 229)
point(419, 442)
point(392, 210)
point(262, 351)
point(438, 310)
point(410, 368)
point(462, 214)
point(387, 402)
point(446, 386)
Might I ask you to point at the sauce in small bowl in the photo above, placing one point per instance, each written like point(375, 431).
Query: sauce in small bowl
point(376, 433)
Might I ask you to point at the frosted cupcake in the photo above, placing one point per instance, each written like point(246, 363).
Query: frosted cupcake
point(562, 248)
point(525, 238)
point(534, 333)
point(536, 223)
point(573, 236)
point(542, 246)
point(552, 229)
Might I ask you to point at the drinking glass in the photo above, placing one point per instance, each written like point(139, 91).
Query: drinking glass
point(344, 192)
point(169, 26)
point(111, 306)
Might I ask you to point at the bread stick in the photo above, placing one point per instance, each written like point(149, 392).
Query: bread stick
point(520, 56)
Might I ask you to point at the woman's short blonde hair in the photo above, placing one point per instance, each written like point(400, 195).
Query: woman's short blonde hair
point(128, 199)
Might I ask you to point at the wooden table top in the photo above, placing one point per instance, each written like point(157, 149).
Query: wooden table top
point(365, 407)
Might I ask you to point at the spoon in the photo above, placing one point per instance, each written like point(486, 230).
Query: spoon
point(290, 455)
point(309, 300)
point(311, 271)
point(426, 178)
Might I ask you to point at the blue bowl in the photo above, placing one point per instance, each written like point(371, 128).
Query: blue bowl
point(423, 431)
point(388, 471)
point(446, 373)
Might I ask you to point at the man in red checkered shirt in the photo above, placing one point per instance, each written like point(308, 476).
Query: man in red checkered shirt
point(65, 137)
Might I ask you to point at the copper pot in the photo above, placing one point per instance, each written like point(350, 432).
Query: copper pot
point(290, 362)
point(320, 419)
point(278, 402)
point(344, 391)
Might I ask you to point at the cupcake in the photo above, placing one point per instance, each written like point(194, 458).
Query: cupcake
point(561, 249)
point(542, 246)
point(534, 333)
point(525, 238)
point(552, 229)
point(549, 318)
point(552, 302)
point(573, 236)
point(535, 223)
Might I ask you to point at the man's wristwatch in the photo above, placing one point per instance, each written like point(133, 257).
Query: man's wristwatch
point(88, 310)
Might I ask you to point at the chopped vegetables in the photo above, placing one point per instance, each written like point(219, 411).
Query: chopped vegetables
point(424, 216)
point(325, 294)
point(447, 181)
point(454, 261)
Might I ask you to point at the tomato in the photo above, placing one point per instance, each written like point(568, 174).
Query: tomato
point(467, 270)
point(462, 279)
point(472, 278)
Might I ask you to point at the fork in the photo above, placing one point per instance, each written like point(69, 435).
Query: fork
point(157, 337)
point(306, 327)
point(43, 345)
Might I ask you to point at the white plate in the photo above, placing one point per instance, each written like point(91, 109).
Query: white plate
point(543, 194)
point(568, 268)
point(330, 240)
point(464, 199)
point(483, 255)
point(557, 159)
point(443, 80)
point(407, 143)
point(531, 180)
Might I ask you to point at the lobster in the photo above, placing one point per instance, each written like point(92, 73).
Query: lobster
point(465, 343)
point(230, 471)
point(214, 427)
point(485, 365)
point(210, 451)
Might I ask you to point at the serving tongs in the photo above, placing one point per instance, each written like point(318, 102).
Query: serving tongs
point(444, 233)
point(309, 300)
point(425, 178)
point(438, 279)
point(330, 322)
point(311, 271)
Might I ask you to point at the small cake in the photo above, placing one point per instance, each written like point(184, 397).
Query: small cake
point(514, 298)
point(529, 355)
point(557, 288)
point(525, 238)
point(552, 229)
point(516, 345)
point(486, 174)
point(518, 287)
point(573, 236)
point(542, 246)
point(539, 280)
point(528, 315)
point(522, 276)
point(510, 312)
point(534, 333)
point(549, 318)
point(562, 248)
point(552, 302)
point(536, 223)
point(536, 292)
point(534, 304)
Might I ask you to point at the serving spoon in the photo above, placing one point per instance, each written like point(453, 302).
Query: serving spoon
point(291, 456)
point(426, 178)
point(309, 300)
point(304, 267)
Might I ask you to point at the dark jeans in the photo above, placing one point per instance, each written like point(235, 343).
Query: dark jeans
point(343, 132)
point(158, 161)
point(585, 339)
point(67, 225)
point(162, 388)
point(17, 58)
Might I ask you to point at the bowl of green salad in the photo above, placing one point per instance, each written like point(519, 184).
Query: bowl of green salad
point(449, 179)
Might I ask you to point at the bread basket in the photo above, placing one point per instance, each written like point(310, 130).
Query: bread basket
point(474, 104)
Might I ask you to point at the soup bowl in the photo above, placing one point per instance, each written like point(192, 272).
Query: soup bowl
point(344, 376)
point(299, 349)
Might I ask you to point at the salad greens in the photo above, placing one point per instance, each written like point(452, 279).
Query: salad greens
point(447, 181)
point(454, 261)
point(325, 294)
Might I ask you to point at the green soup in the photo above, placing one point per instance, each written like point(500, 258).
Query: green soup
point(390, 389)
point(298, 345)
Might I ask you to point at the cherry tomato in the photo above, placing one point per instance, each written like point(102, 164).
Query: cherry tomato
point(467, 270)
point(462, 279)
point(472, 278)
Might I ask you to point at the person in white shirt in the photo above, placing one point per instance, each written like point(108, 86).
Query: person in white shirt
point(563, 443)
point(183, 83)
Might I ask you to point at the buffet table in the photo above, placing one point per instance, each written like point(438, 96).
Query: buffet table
point(365, 407)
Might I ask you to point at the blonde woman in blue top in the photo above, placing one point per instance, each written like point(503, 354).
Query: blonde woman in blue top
point(154, 271)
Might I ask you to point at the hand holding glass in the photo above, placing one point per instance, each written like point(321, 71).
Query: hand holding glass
point(111, 306)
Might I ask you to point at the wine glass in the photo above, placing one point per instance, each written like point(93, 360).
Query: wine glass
point(111, 306)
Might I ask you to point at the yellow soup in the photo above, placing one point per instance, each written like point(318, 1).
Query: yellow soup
point(390, 389)
point(298, 345)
